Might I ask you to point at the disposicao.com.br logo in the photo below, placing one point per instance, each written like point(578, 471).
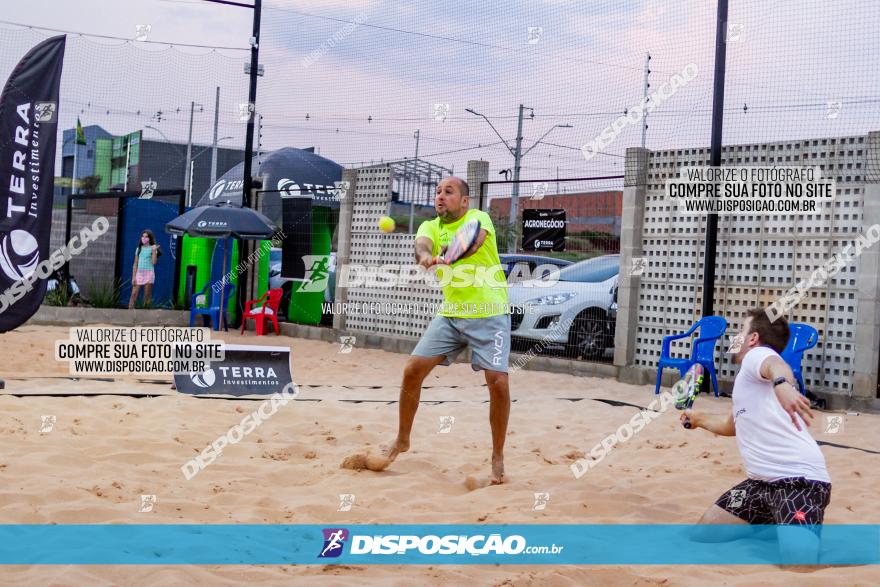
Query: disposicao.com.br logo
point(334, 541)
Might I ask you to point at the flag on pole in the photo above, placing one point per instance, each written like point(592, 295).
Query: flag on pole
point(28, 127)
point(80, 135)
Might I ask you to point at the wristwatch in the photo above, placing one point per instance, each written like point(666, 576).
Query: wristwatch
point(779, 380)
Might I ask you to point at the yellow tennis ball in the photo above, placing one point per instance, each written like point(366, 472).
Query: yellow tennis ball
point(386, 224)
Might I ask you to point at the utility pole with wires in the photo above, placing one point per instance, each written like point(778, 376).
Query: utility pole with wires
point(412, 201)
point(517, 158)
point(518, 154)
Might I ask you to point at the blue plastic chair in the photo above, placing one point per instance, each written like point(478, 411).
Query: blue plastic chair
point(702, 351)
point(801, 338)
point(215, 307)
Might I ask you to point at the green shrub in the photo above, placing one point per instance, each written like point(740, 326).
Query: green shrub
point(60, 296)
point(103, 294)
point(504, 232)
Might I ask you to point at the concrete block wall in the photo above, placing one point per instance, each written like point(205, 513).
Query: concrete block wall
point(758, 258)
point(477, 172)
point(632, 221)
point(362, 244)
point(97, 263)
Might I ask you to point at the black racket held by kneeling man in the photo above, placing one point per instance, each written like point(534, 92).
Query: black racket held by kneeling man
point(463, 239)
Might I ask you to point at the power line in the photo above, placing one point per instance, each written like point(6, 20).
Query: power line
point(356, 132)
point(789, 107)
point(230, 3)
point(452, 39)
point(168, 115)
point(171, 115)
point(579, 148)
point(442, 153)
point(462, 150)
point(284, 115)
point(348, 118)
point(126, 40)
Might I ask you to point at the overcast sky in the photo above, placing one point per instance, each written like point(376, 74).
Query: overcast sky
point(789, 64)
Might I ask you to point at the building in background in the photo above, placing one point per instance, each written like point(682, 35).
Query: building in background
point(84, 157)
point(165, 163)
point(123, 162)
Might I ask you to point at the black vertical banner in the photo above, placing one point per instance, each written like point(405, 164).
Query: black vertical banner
point(28, 131)
point(296, 219)
point(543, 230)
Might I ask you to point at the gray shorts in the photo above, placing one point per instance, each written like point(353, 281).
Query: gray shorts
point(488, 339)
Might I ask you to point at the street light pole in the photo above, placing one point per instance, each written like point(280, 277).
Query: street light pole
point(213, 148)
point(412, 201)
point(163, 135)
point(220, 140)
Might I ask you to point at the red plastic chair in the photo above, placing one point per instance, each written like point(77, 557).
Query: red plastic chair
point(265, 306)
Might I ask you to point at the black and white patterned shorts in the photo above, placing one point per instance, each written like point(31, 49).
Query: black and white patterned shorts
point(793, 500)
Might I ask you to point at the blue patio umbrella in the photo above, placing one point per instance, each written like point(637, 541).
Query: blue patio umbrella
point(222, 221)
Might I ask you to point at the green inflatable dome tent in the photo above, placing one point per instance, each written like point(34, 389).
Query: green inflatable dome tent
point(308, 229)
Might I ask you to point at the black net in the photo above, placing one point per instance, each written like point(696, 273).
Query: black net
point(135, 101)
point(446, 83)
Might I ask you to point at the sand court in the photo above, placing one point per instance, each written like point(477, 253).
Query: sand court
point(104, 452)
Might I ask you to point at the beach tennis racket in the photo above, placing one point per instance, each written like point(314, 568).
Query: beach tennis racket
point(463, 239)
point(687, 388)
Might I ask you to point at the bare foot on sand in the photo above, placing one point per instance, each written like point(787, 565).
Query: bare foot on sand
point(386, 455)
point(497, 470)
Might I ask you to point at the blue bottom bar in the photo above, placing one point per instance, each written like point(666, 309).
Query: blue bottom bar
point(518, 544)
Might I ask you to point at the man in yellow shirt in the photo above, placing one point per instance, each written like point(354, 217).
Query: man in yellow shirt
point(474, 314)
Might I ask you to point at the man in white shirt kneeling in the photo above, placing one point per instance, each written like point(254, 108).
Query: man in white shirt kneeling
point(788, 484)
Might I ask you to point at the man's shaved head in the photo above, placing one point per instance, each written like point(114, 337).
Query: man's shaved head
point(462, 184)
point(451, 198)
